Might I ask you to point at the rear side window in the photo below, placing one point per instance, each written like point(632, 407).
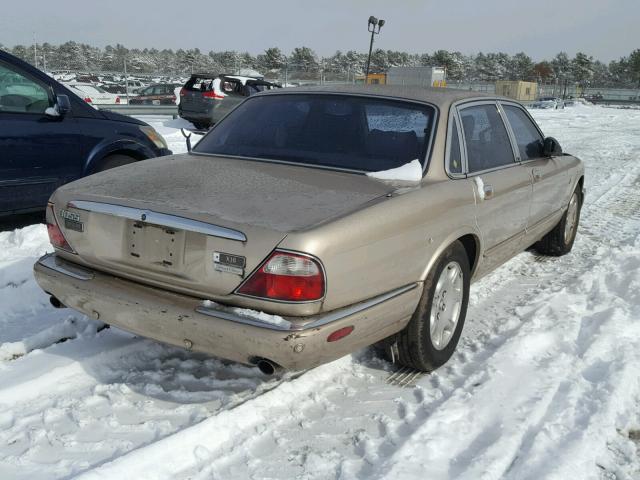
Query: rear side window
point(455, 158)
point(528, 137)
point(486, 138)
point(18, 93)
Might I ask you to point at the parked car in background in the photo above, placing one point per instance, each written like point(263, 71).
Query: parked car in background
point(158, 94)
point(311, 222)
point(548, 102)
point(206, 98)
point(93, 94)
point(49, 136)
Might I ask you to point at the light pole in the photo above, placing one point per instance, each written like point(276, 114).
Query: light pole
point(371, 26)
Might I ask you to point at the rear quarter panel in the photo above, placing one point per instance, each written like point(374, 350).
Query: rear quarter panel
point(390, 243)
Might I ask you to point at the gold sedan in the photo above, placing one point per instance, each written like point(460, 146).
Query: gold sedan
point(312, 222)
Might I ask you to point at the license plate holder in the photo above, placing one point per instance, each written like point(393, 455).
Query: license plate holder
point(156, 246)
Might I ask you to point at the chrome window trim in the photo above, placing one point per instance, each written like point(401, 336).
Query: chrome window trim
point(315, 320)
point(291, 302)
point(280, 162)
point(467, 103)
point(453, 115)
point(510, 133)
point(161, 219)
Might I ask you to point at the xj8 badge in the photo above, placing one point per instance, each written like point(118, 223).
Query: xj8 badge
point(225, 262)
point(72, 221)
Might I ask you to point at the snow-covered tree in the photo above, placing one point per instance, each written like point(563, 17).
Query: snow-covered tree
point(271, 59)
point(305, 59)
point(582, 69)
point(634, 66)
point(562, 67)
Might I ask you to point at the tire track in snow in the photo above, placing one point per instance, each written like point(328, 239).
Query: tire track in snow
point(79, 404)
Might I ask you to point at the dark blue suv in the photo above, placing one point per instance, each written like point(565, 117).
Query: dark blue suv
point(49, 136)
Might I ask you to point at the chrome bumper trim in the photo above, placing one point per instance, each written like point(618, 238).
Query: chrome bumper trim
point(315, 321)
point(52, 261)
point(296, 324)
point(162, 219)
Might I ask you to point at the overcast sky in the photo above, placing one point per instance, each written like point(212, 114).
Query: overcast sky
point(606, 29)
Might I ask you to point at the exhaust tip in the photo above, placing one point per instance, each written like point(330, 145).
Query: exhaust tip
point(267, 367)
point(56, 303)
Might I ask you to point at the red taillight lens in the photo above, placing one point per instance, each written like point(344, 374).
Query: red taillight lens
point(56, 237)
point(87, 99)
point(117, 99)
point(183, 92)
point(212, 95)
point(286, 276)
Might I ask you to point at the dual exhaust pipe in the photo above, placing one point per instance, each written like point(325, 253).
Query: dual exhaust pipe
point(267, 366)
point(56, 303)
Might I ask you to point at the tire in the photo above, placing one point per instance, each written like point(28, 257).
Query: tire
point(417, 346)
point(113, 161)
point(559, 241)
point(201, 126)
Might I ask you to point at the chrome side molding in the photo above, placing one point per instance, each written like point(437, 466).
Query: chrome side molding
point(55, 263)
point(161, 219)
point(315, 321)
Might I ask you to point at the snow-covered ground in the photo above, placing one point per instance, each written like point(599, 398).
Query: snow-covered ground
point(545, 382)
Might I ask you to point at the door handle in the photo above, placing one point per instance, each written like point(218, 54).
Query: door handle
point(488, 191)
point(537, 175)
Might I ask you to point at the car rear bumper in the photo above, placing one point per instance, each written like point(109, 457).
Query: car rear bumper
point(218, 330)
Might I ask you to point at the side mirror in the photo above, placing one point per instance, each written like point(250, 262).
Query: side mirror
point(61, 108)
point(63, 103)
point(551, 147)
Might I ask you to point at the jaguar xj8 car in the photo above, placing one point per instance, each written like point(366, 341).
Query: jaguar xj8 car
point(312, 222)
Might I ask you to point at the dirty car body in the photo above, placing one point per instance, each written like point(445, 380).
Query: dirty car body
point(274, 244)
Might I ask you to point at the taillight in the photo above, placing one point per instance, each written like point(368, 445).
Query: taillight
point(213, 95)
point(117, 99)
point(56, 237)
point(87, 99)
point(286, 276)
point(183, 92)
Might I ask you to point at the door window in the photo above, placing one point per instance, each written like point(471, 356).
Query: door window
point(455, 158)
point(488, 145)
point(19, 93)
point(528, 137)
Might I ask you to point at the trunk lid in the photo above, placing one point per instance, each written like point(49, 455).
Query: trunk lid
point(165, 221)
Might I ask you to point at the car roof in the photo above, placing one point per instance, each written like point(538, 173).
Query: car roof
point(441, 97)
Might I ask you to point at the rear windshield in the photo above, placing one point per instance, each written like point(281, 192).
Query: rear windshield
point(202, 84)
point(338, 131)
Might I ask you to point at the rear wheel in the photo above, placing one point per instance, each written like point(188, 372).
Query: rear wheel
point(201, 125)
point(113, 161)
point(559, 241)
point(431, 336)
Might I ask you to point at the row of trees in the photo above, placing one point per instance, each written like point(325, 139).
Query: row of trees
point(483, 67)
